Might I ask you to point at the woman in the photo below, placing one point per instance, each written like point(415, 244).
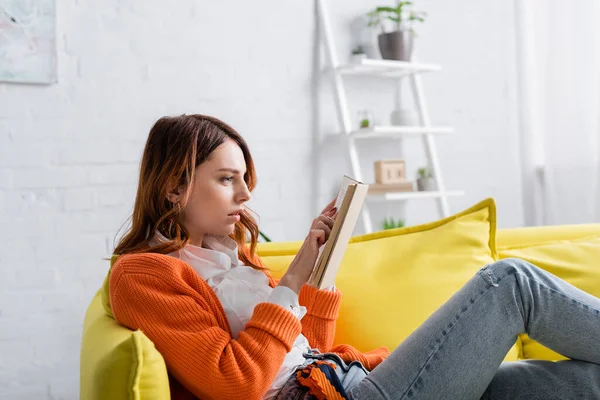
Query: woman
point(227, 330)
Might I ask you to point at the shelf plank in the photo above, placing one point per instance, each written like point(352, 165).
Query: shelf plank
point(386, 68)
point(398, 131)
point(396, 196)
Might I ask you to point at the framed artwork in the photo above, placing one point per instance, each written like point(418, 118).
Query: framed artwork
point(28, 41)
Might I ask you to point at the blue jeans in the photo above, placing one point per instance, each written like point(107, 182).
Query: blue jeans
point(458, 352)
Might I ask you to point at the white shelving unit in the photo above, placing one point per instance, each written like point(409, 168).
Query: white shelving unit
point(395, 196)
point(398, 131)
point(387, 69)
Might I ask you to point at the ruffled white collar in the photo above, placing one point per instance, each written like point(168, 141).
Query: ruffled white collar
point(217, 254)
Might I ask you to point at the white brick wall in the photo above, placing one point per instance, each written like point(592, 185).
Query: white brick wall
point(69, 152)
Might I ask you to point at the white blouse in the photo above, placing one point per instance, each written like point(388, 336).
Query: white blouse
point(240, 288)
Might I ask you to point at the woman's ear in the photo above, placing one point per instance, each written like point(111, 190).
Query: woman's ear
point(175, 194)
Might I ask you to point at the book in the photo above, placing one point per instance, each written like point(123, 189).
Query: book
point(349, 202)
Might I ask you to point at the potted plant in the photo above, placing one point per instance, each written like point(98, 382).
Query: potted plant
point(358, 54)
point(397, 44)
point(425, 180)
point(365, 119)
point(391, 224)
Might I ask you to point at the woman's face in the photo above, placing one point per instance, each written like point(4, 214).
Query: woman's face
point(218, 193)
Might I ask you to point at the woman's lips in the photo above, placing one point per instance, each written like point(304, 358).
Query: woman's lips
point(235, 217)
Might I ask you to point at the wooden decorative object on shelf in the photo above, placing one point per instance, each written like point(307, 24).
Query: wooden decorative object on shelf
point(390, 171)
point(379, 188)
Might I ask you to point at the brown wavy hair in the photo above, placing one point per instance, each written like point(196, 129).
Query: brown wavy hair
point(175, 147)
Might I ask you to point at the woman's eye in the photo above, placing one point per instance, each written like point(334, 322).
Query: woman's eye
point(227, 179)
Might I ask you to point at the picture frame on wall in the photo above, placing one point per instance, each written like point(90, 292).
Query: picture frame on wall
point(28, 41)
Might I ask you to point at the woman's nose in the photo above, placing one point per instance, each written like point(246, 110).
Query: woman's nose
point(244, 194)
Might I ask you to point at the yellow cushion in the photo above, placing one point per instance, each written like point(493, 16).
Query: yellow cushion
point(394, 279)
point(574, 260)
point(117, 363)
point(536, 235)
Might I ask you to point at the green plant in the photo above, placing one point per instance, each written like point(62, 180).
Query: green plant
point(358, 50)
point(425, 172)
point(400, 15)
point(364, 123)
point(391, 224)
point(265, 237)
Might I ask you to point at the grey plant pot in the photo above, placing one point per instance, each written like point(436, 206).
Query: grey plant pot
point(426, 185)
point(397, 45)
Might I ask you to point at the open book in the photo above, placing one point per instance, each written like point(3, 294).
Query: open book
point(349, 201)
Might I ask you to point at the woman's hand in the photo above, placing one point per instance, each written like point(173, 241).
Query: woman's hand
point(301, 267)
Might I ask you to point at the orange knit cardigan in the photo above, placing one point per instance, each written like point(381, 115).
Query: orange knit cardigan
point(165, 298)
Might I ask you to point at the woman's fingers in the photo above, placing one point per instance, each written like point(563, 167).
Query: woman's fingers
point(327, 220)
point(329, 206)
point(318, 235)
point(324, 227)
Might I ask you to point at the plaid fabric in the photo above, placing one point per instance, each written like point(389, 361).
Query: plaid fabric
point(323, 376)
point(322, 381)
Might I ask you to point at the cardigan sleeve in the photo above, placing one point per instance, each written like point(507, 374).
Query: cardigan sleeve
point(322, 310)
point(198, 349)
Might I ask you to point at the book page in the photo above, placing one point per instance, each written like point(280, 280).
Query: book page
point(342, 191)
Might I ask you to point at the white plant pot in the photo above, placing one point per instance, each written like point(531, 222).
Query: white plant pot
point(357, 58)
point(426, 185)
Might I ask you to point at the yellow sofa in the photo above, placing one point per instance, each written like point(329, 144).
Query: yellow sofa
point(416, 268)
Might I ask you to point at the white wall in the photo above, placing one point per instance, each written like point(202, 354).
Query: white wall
point(69, 152)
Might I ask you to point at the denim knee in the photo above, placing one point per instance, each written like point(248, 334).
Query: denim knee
point(507, 266)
